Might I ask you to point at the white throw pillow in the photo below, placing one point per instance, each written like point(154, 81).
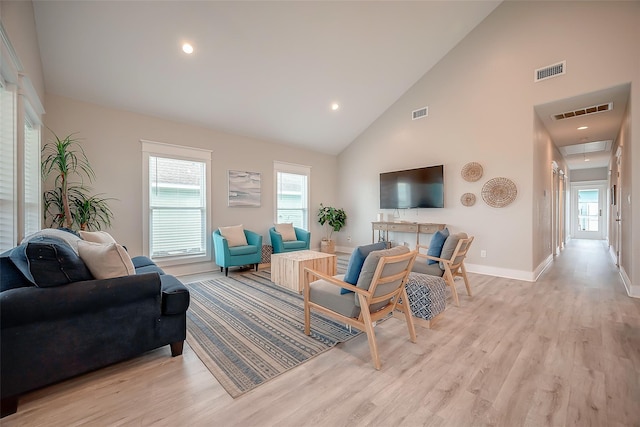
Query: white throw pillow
point(106, 260)
point(97, 236)
point(287, 232)
point(234, 235)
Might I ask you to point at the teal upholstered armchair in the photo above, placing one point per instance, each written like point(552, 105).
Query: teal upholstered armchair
point(301, 242)
point(233, 253)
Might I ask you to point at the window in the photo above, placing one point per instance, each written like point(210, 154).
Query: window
point(292, 194)
point(8, 143)
point(177, 201)
point(32, 194)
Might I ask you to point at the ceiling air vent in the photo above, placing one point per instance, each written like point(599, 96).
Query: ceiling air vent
point(584, 111)
point(550, 71)
point(419, 114)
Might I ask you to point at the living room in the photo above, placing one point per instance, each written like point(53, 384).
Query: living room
point(481, 99)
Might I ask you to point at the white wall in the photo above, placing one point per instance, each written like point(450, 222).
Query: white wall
point(481, 98)
point(18, 21)
point(591, 174)
point(111, 139)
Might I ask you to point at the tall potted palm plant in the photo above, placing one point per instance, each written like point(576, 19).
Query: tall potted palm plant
point(332, 219)
point(69, 204)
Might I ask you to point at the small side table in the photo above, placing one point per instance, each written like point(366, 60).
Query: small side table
point(287, 269)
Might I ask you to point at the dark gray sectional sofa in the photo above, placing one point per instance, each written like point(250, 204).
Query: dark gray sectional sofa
point(52, 333)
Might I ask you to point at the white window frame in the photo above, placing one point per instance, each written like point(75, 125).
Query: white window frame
point(292, 168)
point(31, 202)
point(161, 149)
point(9, 165)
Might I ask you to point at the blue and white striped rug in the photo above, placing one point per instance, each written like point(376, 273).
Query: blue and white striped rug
point(247, 330)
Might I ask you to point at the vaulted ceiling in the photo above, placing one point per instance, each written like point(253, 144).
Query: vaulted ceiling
point(270, 70)
point(273, 70)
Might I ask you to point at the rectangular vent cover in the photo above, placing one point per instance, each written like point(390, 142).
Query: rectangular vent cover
point(419, 114)
point(550, 71)
point(584, 111)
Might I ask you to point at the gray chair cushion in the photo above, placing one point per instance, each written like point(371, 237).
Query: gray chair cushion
point(450, 246)
point(328, 295)
point(369, 268)
point(420, 266)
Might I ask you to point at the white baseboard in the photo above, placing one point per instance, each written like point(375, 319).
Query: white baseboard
point(632, 291)
point(507, 273)
point(612, 254)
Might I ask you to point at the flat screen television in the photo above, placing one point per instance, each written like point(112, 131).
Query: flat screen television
point(412, 188)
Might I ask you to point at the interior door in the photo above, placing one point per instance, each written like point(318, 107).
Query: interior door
point(588, 213)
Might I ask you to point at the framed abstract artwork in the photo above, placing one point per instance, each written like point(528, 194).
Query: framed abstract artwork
point(244, 188)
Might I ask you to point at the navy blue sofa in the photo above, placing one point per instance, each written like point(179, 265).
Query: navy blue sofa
point(52, 333)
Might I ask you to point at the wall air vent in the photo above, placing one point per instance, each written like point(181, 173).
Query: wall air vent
point(584, 111)
point(550, 71)
point(419, 114)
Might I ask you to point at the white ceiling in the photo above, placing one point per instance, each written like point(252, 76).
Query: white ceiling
point(271, 70)
point(268, 70)
point(591, 147)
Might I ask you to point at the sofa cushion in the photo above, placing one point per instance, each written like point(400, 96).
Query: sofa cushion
point(52, 262)
point(97, 236)
point(106, 260)
point(142, 261)
point(435, 247)
point(357, 260)
point(287, 231)
point(175, 296)
point(234, 234)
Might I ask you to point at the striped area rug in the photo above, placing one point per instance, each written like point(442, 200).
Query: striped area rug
point(247, 330)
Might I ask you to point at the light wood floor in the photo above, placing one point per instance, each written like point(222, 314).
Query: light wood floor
point(562, 351)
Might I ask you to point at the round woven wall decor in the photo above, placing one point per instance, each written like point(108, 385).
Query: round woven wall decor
point(499, 192)
point(468, 199)
point(472, 172)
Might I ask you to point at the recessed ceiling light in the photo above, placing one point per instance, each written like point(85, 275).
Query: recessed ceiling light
point(583, 127)
point(187, 48)
point(335, 106)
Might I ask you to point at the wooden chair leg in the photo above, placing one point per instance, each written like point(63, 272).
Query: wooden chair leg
point(226, 271)
point(371, 335)
point(452, 284)
point(466, 279)
point(407, 315)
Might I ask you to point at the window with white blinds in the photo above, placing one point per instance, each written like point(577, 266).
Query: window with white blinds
point(292, 194)
point(8, 143)
point(32, 194)
point(177, 204)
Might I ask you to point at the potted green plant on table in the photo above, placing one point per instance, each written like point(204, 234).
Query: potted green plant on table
point(69, 204)
point(332, 219)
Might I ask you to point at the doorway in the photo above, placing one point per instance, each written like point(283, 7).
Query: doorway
point(588, 213)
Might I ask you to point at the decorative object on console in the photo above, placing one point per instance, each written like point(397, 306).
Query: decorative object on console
point(499, 192)
point(471, 172)
point(468, 199)
point(332, 219)
point(244, 188)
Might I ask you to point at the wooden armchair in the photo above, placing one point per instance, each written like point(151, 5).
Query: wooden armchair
point(450, 264)
point(380, 285)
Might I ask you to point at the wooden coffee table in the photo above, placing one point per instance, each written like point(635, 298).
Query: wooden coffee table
point(287, 269)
